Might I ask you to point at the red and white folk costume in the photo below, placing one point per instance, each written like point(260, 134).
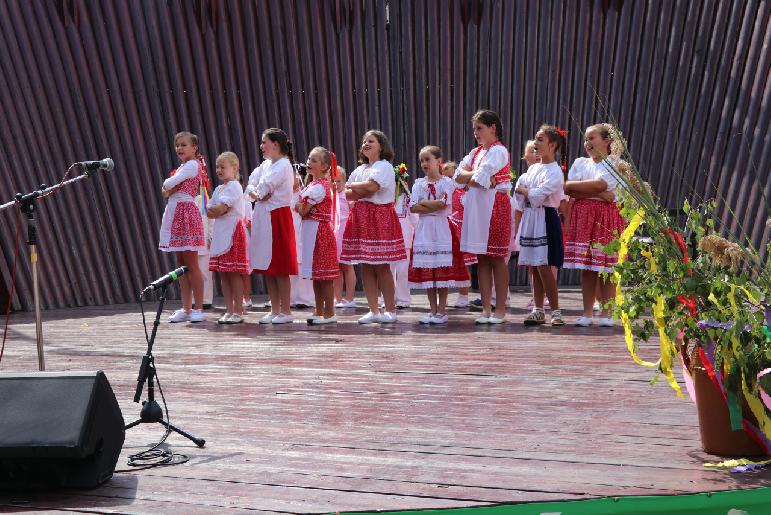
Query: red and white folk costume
point(319, 245)
point(456, 218)
point(593, 221)
point(436, 260)
point(486, 227)
point(272, 249)
point(228, 242)
point(182, 226)
point(373, 234)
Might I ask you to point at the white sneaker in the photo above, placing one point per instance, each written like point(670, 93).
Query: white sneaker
point(439, 319)
point(179, 315)
point(267, 319)
point(495, 320)
point(596, 307)
point(462, 302)
point(606, 322)
point(482, 320)
point(322, 320)
point(247, 304)
point(235, 319)
point(224, 318)
point(369, 318)
point(346, 304)
point(426, 319)
point(583, 321)
point(387, 318)
point(282, 318)
point(267, 304)
point(197, 315)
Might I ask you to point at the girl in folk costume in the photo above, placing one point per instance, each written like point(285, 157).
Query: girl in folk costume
point(318, 208)
point(373, 236)
point(182, 227)
point(486, 228)
point(456, 222)
point(272, 250)
point(539, 237)
point(407, 220)
point(347, 278)
point(228, 245)
point(594, 218)
point(301, 289)
point(436, 262)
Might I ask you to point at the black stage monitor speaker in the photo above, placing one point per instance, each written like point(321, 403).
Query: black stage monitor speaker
point(58, 430)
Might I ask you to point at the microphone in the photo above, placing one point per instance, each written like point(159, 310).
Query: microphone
point(165, 280)
point(105, 164)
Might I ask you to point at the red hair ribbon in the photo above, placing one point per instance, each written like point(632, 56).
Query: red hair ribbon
point(561, 132)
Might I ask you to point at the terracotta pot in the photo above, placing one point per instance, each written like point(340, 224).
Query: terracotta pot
point(715, 423)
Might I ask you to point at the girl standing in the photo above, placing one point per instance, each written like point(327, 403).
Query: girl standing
point(486, 229)
point(539, 237)
point(272, 250)
point(594, 218)
point(347, 278)
point(436, 262)
point(373, 235)
point(228, 246)
point(182, 226)
point(317, 208)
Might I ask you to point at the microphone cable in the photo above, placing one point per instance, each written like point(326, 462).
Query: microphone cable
point(13, 284)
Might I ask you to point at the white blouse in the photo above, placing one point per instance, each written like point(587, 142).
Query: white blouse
point(188, 170)
point(444, 188)
point(382, 172)
point(544, 184)
point(585, 169)
point(487, 164)
point(274, 178)
point(230, 194)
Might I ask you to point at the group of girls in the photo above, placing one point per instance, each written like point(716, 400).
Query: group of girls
point(465, 215)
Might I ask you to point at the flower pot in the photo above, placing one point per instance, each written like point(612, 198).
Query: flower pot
point(714, 421)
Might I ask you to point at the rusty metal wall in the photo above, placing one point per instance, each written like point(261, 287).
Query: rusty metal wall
point(686, 80)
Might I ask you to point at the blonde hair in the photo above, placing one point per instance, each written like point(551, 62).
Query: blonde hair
point(450, 165)
point(529, 143)
point(341, 174)
point(610, 132)
point(229, 157)
point(325, 154)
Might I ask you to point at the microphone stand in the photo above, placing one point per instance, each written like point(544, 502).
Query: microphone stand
point(151, 411)
point(26, 203)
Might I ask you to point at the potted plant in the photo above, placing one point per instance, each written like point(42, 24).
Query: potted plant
point(705, 294)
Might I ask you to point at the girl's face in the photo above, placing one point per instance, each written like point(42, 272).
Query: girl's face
point(544, 148)
point(316, 165)
point(530, 156)
point(185, 149)
point(226, 171)
point(485, 134)
point(371, 148)
point(340, 182)
point(595, 145)
point(270, 149)
point(430, 164)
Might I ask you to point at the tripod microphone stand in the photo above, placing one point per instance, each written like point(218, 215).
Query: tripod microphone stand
point(151, 411)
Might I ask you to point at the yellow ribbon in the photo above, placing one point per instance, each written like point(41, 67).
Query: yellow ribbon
point(624, 240)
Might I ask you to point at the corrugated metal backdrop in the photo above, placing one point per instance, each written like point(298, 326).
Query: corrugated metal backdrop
point(686, 80)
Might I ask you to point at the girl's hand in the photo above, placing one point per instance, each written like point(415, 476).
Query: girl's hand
point(522, 190)
point(607, 196)
point(265, 198)
point(297, 206)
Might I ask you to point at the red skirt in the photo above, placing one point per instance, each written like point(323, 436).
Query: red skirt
point(234, 260)
point(446, 276)
point(325, 264)
point(592, 222)
point(186, 227)
point(455, 228)
point(283, 259)
point(500, 227)
point(373, 235)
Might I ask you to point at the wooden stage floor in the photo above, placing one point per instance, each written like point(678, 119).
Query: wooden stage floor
point(303, 419)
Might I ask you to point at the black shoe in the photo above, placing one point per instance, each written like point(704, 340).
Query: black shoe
point(207, 306)
point(301, 306)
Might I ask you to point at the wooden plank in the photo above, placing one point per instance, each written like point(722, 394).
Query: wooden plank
point(312, 420)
